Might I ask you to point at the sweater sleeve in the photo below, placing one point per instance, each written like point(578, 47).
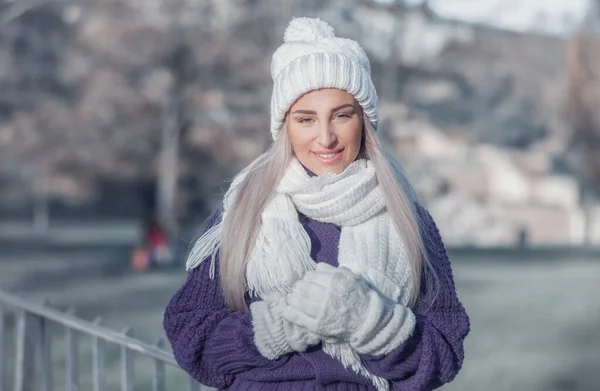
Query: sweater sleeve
point(211, 342)
point(434, 353)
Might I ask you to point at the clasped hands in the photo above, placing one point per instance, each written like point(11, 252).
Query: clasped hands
point(332, 305)
point(330, 302)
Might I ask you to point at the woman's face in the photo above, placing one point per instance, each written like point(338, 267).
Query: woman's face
point(325, 128)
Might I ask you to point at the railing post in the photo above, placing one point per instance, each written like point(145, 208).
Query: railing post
point(25, 355)
point(46, 345)
point(126, 364)
point(193, 385)
point(99, 372)
point(1, 347)
point(72, 357)
point(33, 328)
point(158, 380)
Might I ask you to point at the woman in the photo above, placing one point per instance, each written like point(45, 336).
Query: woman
point(320, 271)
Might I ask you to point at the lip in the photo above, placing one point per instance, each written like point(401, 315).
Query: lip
point(333, 159)
point(324, 151)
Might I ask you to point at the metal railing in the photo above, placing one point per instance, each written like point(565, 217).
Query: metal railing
point(33, 339)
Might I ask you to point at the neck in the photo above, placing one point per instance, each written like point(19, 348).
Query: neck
point(312, 174)
point(309, 172)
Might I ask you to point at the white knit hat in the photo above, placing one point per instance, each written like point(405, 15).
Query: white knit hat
point(312, 57)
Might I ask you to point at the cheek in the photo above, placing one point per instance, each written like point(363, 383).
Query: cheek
point(355, 138)
point(298, 139)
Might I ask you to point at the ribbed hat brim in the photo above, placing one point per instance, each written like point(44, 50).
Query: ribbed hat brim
point(316, 71)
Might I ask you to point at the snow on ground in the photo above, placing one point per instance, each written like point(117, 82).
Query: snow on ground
point(534, 321)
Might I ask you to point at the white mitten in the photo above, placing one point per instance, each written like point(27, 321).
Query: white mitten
point(336, 303)
point(275, 336)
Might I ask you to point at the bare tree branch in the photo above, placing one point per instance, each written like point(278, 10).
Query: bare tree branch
point(18, 9)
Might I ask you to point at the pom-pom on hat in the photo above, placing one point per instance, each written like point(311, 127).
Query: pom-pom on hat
point(311, 58)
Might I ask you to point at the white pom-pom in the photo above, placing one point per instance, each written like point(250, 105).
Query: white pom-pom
point(307, 30)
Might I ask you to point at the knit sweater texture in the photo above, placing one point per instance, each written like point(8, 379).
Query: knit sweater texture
point(215, 345)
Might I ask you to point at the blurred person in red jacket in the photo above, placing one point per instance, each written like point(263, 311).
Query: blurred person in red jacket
point(155, 249)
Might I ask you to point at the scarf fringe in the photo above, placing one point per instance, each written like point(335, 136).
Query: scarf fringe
point(281, 253)
point(206, 246)
point(286, 245)
point(344, 353)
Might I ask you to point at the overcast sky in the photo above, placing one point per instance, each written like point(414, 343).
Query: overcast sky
point(547, 16)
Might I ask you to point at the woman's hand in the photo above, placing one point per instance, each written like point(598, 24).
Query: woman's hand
point(332, 302)
point(339, 305)
point(275, 336)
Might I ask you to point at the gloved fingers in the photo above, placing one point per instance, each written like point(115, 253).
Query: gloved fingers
point(298, 317)
point(309, 307)
point(318, 277)
point(310, 290)
point(298, 337)
point(295, 331)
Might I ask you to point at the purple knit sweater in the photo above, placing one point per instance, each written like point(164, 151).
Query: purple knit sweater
point(216, 345)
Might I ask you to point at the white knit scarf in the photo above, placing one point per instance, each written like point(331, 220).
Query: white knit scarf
point(369, 243)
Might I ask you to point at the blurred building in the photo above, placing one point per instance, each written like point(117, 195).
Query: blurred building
point(104, 102)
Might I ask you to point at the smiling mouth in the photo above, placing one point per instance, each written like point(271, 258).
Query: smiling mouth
point(328, 157)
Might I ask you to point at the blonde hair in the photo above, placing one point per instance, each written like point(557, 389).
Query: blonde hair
point(241, 223)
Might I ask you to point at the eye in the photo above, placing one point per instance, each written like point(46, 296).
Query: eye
point(305, 120)
point(343, 115)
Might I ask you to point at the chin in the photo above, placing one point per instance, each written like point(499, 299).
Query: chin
point(328, 169)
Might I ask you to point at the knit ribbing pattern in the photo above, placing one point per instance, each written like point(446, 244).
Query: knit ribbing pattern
point(321, 70)
point(216, 345)
point(281, 253)
point(345, 199)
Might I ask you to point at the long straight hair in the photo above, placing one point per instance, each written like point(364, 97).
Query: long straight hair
point(401, 203)
point(243, 219)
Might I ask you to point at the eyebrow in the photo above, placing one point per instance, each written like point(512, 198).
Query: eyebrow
point(332, 110)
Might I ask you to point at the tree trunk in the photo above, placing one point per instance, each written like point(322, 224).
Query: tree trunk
point(168, 165)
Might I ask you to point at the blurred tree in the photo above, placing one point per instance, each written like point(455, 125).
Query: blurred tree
point(98, 91)
point(584, 98)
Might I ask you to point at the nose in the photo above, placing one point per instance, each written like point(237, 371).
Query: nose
point(326, 137)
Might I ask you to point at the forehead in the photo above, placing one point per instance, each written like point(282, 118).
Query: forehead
point(325, 97)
